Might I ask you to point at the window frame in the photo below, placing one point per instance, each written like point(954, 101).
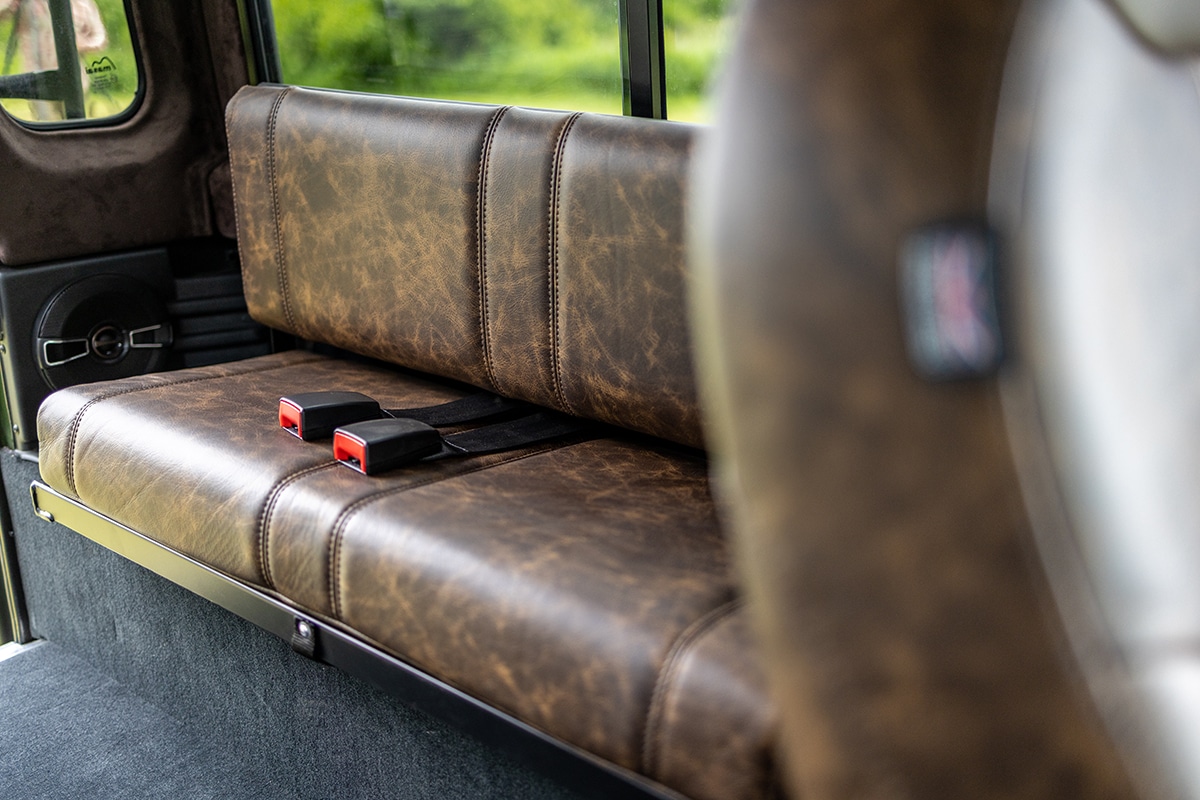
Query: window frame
point(96, 122)
point(643, 63)
point(643, 69)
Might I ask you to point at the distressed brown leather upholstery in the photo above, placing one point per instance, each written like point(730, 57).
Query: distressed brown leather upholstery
point(499, 246)
point(583, 586)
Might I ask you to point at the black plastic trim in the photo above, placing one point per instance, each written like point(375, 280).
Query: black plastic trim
point(14, 618)
point(643, 68)
point(574, 768)
point(260, 23)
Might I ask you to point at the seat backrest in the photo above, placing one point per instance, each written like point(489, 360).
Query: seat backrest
point(538, 254)
point(877, 516)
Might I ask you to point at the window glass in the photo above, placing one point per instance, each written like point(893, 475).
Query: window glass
point(99, 77)
point(545, 53)
point(696, 37)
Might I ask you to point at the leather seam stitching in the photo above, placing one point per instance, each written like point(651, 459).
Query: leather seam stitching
point(237, 214)
point(489, 137)
point(272, 181)
point(77, 421)
point(263, 534)
point(662, 684)
point(343, 518)
point(555, 199)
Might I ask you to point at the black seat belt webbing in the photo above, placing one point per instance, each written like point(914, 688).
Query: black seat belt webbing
point(315, 415)
point(536, 428)
point(378, 445)
point(472, 408)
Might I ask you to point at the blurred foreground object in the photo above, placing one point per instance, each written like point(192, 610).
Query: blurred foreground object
point(919, 632)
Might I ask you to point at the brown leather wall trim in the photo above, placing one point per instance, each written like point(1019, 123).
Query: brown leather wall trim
point(409, 231)
point(145, 181)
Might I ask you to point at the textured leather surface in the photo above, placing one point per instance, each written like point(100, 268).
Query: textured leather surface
point(307, 512)
point(878, 520)
point(553, 585)
point(191, 458)
point(712, 674)
point(623, 349)
point(568, 584)
point(539, 254)
point(515, 271)
point(396, 277)
point(583, 586)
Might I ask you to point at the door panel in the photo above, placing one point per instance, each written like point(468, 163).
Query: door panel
point(158, 176)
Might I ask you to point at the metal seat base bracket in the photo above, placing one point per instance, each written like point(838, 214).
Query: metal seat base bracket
point(325, 641)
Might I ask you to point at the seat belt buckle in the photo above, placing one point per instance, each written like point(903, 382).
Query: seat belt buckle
point(315, 415)
point(378, 445)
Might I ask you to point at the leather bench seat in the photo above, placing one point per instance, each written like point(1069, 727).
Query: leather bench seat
point(582, 586)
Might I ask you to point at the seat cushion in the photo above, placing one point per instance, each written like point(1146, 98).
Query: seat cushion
point(193, 458)
point(583, 586)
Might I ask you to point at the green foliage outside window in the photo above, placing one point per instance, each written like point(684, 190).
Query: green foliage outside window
point(696, 37)
point(106, 57)
point(548, 53)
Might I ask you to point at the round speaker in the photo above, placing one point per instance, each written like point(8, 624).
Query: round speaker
point(100, 328)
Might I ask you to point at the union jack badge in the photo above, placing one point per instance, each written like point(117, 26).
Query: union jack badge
point(949, 292)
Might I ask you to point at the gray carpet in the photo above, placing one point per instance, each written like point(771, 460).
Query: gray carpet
point(303, 727)
point(68, 731)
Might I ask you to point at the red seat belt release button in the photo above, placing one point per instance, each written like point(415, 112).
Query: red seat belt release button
point(315, 415)
point(378, 445)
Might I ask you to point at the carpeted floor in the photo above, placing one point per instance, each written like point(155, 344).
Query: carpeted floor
point(68, 731)
point(301, 729)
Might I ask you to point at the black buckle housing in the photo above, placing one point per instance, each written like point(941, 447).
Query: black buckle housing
point(378, 445)
point(315, 415)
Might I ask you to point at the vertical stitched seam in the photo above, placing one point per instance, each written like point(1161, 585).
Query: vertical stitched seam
point(553, 321)
point(662, 685)
point(237, 212)
point(489, 137)
point(264, 518)
point(343, 519)
point(272, 181)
